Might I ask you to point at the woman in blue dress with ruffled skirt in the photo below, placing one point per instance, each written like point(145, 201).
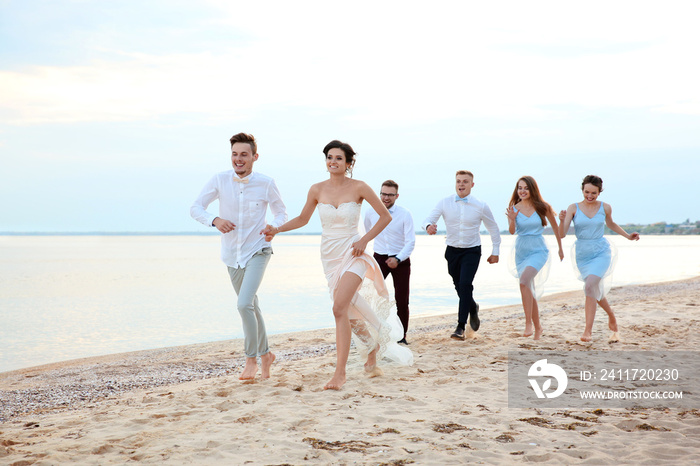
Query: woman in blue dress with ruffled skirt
point(527, 216)
point(594, 257)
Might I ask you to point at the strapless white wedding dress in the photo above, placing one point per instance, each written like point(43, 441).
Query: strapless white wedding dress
point(372, 313)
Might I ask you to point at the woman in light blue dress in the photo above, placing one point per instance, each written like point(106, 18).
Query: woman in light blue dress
point(595, 257)
point(527, 216)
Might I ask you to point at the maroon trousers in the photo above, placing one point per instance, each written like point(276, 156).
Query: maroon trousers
point(401, 276)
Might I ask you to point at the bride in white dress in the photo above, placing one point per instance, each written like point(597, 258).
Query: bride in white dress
point(364, 312)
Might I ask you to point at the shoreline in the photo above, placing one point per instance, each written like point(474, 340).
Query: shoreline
point(173, 365)
point(208, 346)
point(448, 383)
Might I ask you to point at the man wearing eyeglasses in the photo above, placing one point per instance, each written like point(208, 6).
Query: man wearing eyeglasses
point(393, 247)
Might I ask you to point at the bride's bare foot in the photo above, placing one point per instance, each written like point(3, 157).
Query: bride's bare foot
point(371, 359)
point(587, 336)
point(538, 333)
point(614, 338)
point(528, 330)
point(251, 367)
point(612, 323)
point(336, 383)
point(267, 360)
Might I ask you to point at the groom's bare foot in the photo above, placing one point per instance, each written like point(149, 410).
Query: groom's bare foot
point(336, 383)
point(267, 360)
point(251, 367)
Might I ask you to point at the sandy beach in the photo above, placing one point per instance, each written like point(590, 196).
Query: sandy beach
point(185, 405)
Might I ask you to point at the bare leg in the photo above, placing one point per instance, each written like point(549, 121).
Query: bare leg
point(532, 316)
point(251, 367)
point(536, 319)
point(349, 283)
point(267, 359)
point(591, 289)
point(612, 321)
point(359, 328)
point(526, 297)
point(371, 363)
point(590, 308)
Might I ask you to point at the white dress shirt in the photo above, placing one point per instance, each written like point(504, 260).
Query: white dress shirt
point(398, 238)
point(245, 205)
point(463, 221)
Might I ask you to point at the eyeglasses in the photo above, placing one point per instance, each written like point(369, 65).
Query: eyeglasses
point(387, 194)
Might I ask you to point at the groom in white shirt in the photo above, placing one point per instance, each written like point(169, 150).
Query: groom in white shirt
point(243, 200)
point(463, 215)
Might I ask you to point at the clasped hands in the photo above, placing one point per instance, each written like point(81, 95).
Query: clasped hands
point(269, 231)
point(358, 247)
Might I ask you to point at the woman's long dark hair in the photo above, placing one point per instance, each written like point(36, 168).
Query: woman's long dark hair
point(541, 207)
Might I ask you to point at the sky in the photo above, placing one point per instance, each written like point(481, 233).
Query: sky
point(114, 114)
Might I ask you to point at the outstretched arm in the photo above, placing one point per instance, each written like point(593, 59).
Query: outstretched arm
point(555, 228)
point(615, 227)
point(430, 223)
point(492, 227)
point(297, 222)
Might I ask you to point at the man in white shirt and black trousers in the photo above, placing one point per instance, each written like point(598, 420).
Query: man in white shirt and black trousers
point(393, 247)
point(243, 197)
point(463, 215)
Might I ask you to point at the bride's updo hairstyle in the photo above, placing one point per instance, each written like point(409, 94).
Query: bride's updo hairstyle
point(595, 181)
point(347, 150)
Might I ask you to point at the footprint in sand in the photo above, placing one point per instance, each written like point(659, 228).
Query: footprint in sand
point(102, 450)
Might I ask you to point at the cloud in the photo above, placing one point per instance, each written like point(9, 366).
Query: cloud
point(382, 63)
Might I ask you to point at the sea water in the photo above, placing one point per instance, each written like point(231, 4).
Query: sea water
point(67, 297)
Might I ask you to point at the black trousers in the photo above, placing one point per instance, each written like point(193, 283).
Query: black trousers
point(462, 264)
point(401, 276)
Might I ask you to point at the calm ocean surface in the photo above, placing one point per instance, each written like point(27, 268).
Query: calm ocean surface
point(67, 297)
